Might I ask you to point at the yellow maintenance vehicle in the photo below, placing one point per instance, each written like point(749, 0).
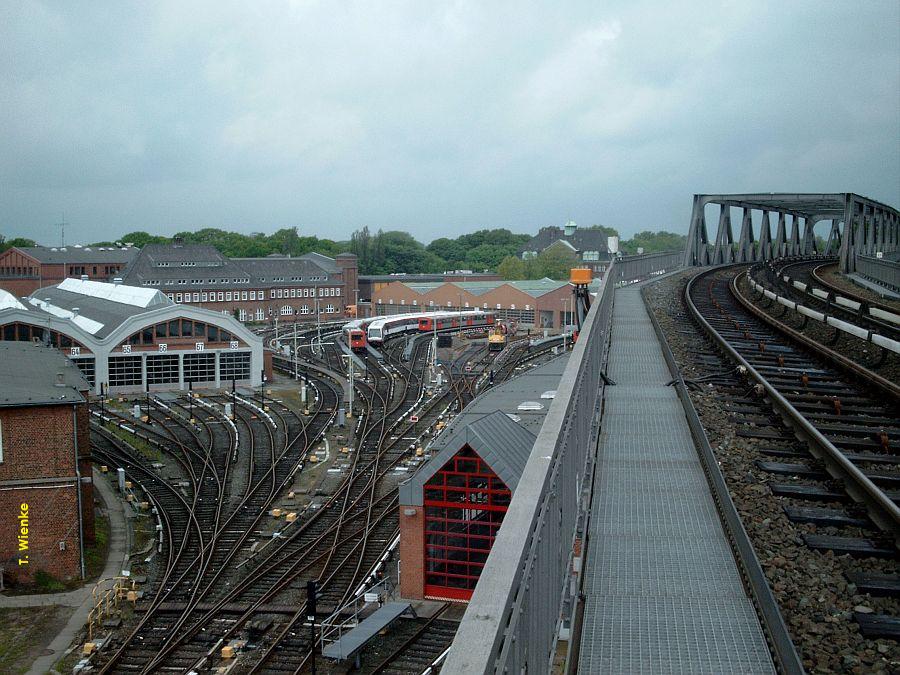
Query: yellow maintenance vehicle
point(497, 339)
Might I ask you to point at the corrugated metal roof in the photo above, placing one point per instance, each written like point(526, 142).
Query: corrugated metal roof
point(501, 443)
point(482, 414)
point(127, 295)
point(9, 301)
point(96, 314)
point(28, 376)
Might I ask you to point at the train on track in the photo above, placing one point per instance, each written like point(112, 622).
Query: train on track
point(359, 333)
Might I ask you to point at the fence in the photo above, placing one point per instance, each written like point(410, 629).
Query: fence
point(633, 268)
point(881, 270)
point(527, 589)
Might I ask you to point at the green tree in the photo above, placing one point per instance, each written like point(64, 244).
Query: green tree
point(21, 242)
point(653, 242)
point(511, 268)
point(487, 256)
point(141, 238)
point(554, 262)
point(449, 250)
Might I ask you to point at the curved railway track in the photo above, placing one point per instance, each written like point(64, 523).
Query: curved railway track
point(827, 431)
point(209, 589)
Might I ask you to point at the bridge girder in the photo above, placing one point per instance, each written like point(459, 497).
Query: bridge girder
point(859, 226)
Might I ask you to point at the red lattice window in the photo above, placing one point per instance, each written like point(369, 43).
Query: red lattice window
point(464, 506)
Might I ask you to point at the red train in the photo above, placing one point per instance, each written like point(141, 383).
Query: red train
point(443, 321)
point(356, 338)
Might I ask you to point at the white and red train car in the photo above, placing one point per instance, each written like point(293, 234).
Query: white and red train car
point(357, 334)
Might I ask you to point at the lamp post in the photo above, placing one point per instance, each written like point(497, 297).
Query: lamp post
point(349, 358)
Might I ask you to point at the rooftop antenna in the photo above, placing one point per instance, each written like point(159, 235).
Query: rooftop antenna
point(62, 231)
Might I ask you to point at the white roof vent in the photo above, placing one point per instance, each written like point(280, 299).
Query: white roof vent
point(530, 406)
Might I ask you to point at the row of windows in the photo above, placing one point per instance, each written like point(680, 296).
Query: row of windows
point(127, 371)
point(78, 270)
point(24, 332)
point(212, 282)
point(11, 271)
point(231, 296)
point(179, 328)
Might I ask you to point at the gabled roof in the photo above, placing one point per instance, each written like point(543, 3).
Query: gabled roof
point(580, 240)
point(532, 287)
point(504, 445)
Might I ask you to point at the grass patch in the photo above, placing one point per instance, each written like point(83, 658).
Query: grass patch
point(138, 443)
point(45, 582)
point(25, 632)
point(95, 555)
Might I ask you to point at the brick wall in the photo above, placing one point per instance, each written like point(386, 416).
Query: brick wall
point(39, 443)
point(412, 553)
point(52, 518)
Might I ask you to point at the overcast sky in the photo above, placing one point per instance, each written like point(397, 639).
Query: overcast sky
point(435, 118)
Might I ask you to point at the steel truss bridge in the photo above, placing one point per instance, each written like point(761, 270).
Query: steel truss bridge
point(859, 226)
point(525, 598)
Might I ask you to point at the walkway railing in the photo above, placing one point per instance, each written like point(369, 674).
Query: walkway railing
point(632, 268)
point(526, 593)
point(881, 270)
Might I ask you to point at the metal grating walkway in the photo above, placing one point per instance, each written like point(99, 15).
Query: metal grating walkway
point(662, 590)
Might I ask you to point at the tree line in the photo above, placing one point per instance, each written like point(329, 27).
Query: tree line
point(393, 251)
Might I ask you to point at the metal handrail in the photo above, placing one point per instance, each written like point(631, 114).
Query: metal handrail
point(526, 589)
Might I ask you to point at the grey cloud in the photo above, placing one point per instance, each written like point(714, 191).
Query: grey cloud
point(435, 118)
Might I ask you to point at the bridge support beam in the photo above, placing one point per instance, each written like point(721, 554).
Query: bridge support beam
point(869, 227)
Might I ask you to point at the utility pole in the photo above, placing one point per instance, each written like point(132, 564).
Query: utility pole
point(296, 373)
point(318, 322)
point(349, 358)
point(62, 231)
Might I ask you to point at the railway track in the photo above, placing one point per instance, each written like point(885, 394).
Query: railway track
point(210, 589)
point(810, 444)
point(244, 485)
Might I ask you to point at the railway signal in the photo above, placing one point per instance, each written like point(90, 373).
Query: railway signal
point(311, 617)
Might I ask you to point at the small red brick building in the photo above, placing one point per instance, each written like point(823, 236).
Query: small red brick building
point(46, 492)
point(25, 269)
point(452, 508)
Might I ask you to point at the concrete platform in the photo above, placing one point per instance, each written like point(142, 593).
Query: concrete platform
point(662, 589)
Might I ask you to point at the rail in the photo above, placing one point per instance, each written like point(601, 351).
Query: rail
point(880, 270)
point(526, 595)
point(633, 268)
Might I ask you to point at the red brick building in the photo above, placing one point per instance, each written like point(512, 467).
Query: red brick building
point(452, 508)
point(26, 269)
point(250, 289)
point(541, 303)
point(46, 492)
